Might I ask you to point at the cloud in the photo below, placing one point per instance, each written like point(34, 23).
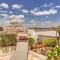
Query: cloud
point(44, 12)
point(32, 21)
point(58, 6)
point(46, 22)
point(17, 16)
point(4, 15)
point(12, 16)
point(3, 18)
point(4, 5)
point(2, 11)
point(25, 11)
point(10, 12)
point(47, 5)
point(36, 9)
point(51, 4)
point(9, 18)
point(53, 11)
point(17, 6)
point(6, 19)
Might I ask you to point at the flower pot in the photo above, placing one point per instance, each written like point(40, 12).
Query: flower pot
point(29, 47)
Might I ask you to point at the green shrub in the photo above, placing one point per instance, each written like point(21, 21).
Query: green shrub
point(8, 40)
point(49, 42)
point(54, 53)
point(30, 40)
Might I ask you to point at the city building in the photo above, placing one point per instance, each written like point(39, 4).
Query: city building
point(13, 27)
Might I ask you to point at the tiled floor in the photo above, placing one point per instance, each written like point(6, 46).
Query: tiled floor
point(7, 57)
point(34, 56)
point(31, 56)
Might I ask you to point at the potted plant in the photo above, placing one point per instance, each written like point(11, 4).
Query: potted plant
point(30, 42)
point(54, 54)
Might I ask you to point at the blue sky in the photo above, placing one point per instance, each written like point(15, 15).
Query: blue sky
point(36, 12)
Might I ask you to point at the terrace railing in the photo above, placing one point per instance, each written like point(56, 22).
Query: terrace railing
point(42, 37)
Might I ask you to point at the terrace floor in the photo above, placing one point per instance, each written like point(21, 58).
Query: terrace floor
point(31, 56)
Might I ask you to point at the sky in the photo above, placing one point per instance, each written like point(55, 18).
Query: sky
point(44, 13)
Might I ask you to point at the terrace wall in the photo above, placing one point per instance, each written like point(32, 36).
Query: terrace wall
point(35, 32)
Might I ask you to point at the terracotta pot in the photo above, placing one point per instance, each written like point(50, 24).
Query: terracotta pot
point(29, 47)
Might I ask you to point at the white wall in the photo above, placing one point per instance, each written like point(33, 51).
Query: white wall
point(46, 33)
point(31, 32)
